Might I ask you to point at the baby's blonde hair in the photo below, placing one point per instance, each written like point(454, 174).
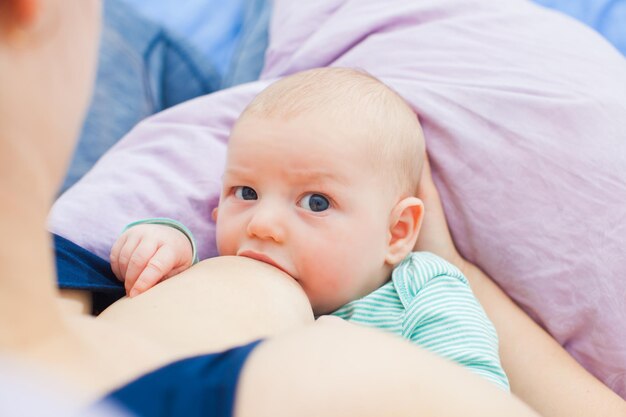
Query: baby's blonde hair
point(347, 95)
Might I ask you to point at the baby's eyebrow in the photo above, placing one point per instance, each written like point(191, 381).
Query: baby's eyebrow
point(295, 175)
point(238, 172)
point(307, 175)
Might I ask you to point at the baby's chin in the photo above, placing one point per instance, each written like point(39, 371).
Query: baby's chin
point(323, 309)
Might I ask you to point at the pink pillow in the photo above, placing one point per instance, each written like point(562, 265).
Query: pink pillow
point(524, 113)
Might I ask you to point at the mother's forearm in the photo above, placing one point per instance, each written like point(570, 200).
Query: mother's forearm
point(540, 371)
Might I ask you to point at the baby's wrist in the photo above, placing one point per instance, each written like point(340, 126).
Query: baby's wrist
point(174, 224)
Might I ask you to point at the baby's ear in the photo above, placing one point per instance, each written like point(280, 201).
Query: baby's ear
point(404, 226)
point(19, 14)
point(214, 214)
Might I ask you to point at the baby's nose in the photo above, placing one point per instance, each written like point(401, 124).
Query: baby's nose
point(267, 223)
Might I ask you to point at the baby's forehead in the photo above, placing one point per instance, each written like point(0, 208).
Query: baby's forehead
point(353, 159)
point(326, 130)
point(312, 133)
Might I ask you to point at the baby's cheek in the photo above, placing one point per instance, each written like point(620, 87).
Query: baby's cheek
point(226, 243)
point(332, 280)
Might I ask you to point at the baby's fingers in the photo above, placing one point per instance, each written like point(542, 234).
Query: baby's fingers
point(142, 254)
point(163, 261)
point(126, 253)
point(115, 254)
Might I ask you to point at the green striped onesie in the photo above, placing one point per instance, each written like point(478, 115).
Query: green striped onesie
point(429, 302)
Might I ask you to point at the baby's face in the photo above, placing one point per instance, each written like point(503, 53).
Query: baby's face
point(301, 195)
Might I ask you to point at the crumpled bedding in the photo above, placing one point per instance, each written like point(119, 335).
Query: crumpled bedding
point(524, 116)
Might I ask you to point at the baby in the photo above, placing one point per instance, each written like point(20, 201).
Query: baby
point(320, 182)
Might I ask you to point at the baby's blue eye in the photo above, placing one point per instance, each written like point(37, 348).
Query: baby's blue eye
point(245, 193)
point(314, 202)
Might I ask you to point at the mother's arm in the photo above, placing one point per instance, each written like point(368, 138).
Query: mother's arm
point(328, 367)
point(540, 371)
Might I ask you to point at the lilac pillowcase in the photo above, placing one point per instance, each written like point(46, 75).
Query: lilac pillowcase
point(524, 113)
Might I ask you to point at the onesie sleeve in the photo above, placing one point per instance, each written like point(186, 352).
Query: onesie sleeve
point(445, 317)
point(174, 224)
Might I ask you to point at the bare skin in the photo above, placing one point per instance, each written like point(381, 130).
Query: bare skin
point(412, 394)
point(189, 314)
point(75, 302)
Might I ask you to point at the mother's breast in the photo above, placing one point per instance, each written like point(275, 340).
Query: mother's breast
point(219, 303)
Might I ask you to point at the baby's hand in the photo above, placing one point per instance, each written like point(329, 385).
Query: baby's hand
point(146, 254)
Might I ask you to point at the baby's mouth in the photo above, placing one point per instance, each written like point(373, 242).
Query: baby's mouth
point(262, 258)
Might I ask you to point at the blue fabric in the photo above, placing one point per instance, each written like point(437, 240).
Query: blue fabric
point(231, 35)
point(249, 56)
point(212, 26)
point(143, 69)
point(607, 17)
point(80, 269)
point(202, 386)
